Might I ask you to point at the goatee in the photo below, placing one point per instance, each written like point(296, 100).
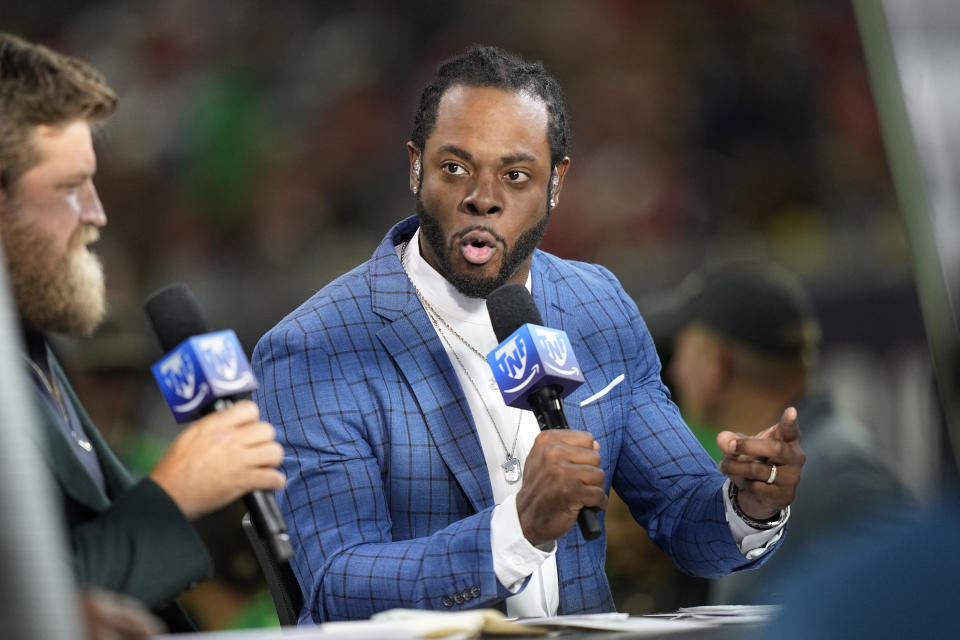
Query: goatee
point(479, 286)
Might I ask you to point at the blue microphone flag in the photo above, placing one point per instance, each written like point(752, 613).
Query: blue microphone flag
point(532, 357)
point(202, 369)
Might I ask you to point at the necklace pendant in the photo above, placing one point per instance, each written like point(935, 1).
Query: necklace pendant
point(84, 444)
point(511, 470)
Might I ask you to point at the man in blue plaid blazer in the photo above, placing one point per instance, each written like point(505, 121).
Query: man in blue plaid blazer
point(392, 499)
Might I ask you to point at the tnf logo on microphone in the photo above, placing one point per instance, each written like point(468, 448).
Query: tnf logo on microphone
point(532, 357)
point(201, 369)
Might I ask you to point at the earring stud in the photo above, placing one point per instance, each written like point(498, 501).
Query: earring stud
point(416, 176)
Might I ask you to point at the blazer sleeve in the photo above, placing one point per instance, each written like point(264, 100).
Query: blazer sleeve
point(336, 501)
point(669, 482)
point(141, 546)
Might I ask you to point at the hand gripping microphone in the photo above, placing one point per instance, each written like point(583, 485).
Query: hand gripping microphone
point(205, 372)
point(534, 367)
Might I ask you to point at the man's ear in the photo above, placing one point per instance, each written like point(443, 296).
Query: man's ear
point(416, 167)
point(556, 180)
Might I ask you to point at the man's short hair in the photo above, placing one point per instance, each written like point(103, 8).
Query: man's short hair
point(39, 86)
point(486, 66)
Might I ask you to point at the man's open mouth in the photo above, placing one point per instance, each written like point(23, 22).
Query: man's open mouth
point(478, 247)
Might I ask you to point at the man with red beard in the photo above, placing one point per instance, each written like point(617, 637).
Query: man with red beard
point(130, 537)
point(411, 483)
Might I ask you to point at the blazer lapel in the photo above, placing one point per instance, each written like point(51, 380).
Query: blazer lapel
point(70, 473)
point(413, 343)
point(551, 301)
point(545, 293)
point(115, 474)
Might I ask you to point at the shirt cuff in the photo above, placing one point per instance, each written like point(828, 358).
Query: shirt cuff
point(514, 558)
point(753, 543)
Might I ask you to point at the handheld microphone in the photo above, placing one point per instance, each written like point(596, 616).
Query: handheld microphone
point(204, 372)
point(535, 368)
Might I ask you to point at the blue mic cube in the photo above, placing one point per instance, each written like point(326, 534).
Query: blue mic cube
point(533, 357)
point(202, 369)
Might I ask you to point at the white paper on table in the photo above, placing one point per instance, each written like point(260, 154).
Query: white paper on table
point(730, 613)
point(618, 622)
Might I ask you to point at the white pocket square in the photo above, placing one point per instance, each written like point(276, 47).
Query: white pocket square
point(602, 392)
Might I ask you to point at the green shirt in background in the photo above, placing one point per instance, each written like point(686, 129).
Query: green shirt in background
point(708, 438)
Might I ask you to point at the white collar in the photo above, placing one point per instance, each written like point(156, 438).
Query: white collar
point(440, 294)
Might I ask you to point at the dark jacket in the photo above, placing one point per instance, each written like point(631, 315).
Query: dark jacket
point(132, 540)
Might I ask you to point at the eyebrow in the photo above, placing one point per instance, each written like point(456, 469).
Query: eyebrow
point(457, 151)
point(466, 155)
point(518, 157)
point(78, 176)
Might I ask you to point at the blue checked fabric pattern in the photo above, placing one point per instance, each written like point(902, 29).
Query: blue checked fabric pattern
point(388, 500)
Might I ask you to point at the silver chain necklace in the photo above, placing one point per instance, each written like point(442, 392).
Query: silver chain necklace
point(51, 387)
point(511, 466)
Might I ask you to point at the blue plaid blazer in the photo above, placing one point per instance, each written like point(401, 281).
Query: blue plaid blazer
point(388, 499)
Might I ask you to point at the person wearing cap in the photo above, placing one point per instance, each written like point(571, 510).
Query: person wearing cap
point(742, 341)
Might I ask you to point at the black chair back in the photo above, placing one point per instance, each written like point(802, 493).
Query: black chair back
point(284, 588)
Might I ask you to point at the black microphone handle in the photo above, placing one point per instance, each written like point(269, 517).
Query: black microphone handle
point(262, 506)
point(548, 408)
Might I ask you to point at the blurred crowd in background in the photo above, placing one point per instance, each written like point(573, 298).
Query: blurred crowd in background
point(258, 152)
